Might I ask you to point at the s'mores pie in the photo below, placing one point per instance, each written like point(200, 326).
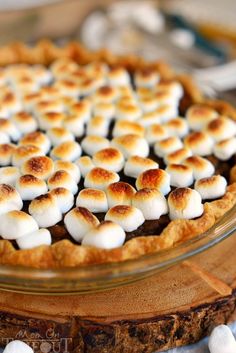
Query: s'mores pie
point(37, 139)
point(9, 175)
point(107, 235)
point(123, 127)
point(37, 238)
point(200, 143)
point(68, 151)
point(80, 221)
point(136, 165)
point(24, 122)
point(167, 146)
point(98, 125)
point(154, 179)
point(6, 153)
point(110, 159)
point(185, 203)
point(119, 193)
point(30, 187)
point(58, 135)
point(128, 111)
point(225, 149)
point(85, 164)
point(131, 145)
point(9, 128)
point(156, 132)
point(180, 175)
point(45, 210)
point(147, 78)
point(41, 167)
point(64, 198)
point(106, 110)
point(16, 224)
point(62, 179)
point(22, 153)
point(50, 120)
point(212, 187)
point(129, 218)
point(69, 167)
point(199, 116)
point(177, 127)
point(92, 144)
point(151, 202)
point(9, 199)
point(221, 128)
point(202, 167)
point(99, 178)
point(178, 156)
point(93, 199)
point(118, 76)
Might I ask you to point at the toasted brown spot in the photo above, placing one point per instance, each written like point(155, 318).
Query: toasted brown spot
point(121, 188)
point(208, 181)
point(180, 197)
point(6, 148)
point(167, 142)
point(101, 174)
point(179, 167)
point(151, 178)
point(4, 123)
point(216, 124)
point(86, 214)
point(33, 137)
point(175, 123)
point(141, 160)
point(196, 161)
point(39, 164)
point(195, 137)
point(93, 193)
point(58, 176)
point(59, 191)
point(201, 111)
point(120, 210)
point(23, 116)
point(29, 179)
point(108, 154)
point(8, 98)
point(146, 72)
point(54, 116)
point(26, 150)
point(68, 83)
point(5, 191)
point(106, 90)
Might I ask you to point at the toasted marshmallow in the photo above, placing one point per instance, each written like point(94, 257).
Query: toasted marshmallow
point(202, 168)
point(4, 138)
point(178, 156)
point(146, 78)
point(123, 127)
point(154, 179)
point(18, 346)
point(119, 193)
point(62, 179)
point(62, 67)
point(45, 210)
point(185, 203)
point(92, 199)
point(30, 100)
point(105, 94)
point(24, 122)
point(149, 104)
point(79, 222)
point(41, 167)
point(131, 145)
point(181, 175)
point(149, 119)
point(22, 153)
point(6, 153)
point(225, 149)
point(88, 86)
point(199, 116)
point(107, 235)
point(10, 129)
point(100, 178)
point(46, 106)
point(9, 175)
point(69, 151)
point(38, 238)
point(136, 165)
point(69, 167)
point(37, 139)
point(85, 164)
point(222, 340)
point(221, 128)
point(128, 217)
point(11, 103)
point(81, 110)
point(165, 97)
point(118, 76)
point(212, 187)
point(106, 110)
point(51, 119)
point(130, 112)
point(58, 135)
point(16, 224)
point(177, 127)
point(167, 112)
point(92, 144)
point(65, 198)
point(151, 202)
point(167, 146)
point(97, 67)
point(30, 187)
point(98, 126)
point(24, 85)
point(9, 199)
point(67, 88)
point(200, 143)
point(174, 87)
point(156, 132)
point(75, 125)
point(110, 159)
point(42, 75)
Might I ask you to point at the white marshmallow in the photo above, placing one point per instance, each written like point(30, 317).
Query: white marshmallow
point(4, 138)
point(123, 127)
point(167, 146)
point(119, 193)
point(99, 178)
point(24, 122)
point(6, 152)
point(199, 116)
point(200, 143)
point(85, 164)
point(92, 144)
point(118, 77)
point(106, 110)
point(180, 175)
point(225, 149)
point(30, 187)
point(146, 78)
point(212, 187)
point(110, 159)
point(45, 210)
point(58, 135)
point(222, 340)
point(136, 165)
point(92, 199)
point(221, 128)
point(185, 203)
point(202, 168)
point(107, 235)
point(129, 218)
point(10, 129)
point(156, 132)
point(38, 238)
point(16, 224)
point(79, 222)
point(18, 346)
point(131, 145)
point(151, 202)
point(62, 179)
point(42, 75)
point(154, 179)
point(68, 151)
point(10, 199)
point(177, 127)
point(65, 198)
point(9, 175)
point(98, 126)
point(178, 156)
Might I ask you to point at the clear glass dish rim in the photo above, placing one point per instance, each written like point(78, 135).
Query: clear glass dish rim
point(104, 276)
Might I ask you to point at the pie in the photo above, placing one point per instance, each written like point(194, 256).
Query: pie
point(105, 159)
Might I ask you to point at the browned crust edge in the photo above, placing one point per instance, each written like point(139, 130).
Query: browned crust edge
point(65, 253)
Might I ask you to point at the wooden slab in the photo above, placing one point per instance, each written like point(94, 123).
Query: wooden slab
point(172, 308)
